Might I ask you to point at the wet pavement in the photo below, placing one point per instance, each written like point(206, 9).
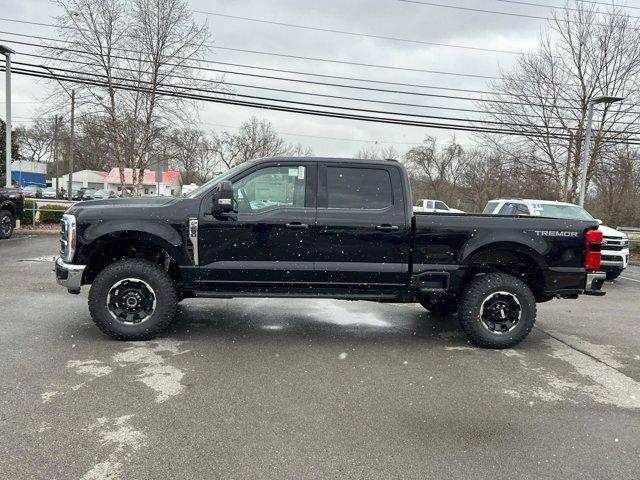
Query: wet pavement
point(268, 388)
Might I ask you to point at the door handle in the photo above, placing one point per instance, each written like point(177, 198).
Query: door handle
point(387, 228)
point(296, 226)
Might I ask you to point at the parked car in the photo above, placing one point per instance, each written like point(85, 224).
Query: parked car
point(433, 206)
point(33, 191)
point(50, 192)
point(86, 194)
point(11, 205)
point(321, 228)
point(102, 194)
point(615, 249)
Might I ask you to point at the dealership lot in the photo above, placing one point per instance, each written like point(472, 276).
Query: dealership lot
point(267, 388)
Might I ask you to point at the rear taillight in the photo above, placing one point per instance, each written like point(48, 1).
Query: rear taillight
point(593, 248)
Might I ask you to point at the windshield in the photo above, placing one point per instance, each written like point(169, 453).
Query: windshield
point(491, 206)
point(560, 211)
point(223, 176)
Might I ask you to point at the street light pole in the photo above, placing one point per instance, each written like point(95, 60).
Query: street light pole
point(6, 51)
point(586, 154)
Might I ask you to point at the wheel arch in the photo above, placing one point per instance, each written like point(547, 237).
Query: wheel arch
point(140, 243)
point(512, 258)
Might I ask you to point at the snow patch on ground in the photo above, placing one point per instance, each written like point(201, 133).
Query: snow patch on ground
point(460, 348)
point(608, 385)
point(94, 368)
point(605, 353)
point(590, 378)
point(154, 372)
point(337, 314)
point(47, 396)
point(119, 435)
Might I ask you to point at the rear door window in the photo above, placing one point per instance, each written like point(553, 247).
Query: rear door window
point(358, 188)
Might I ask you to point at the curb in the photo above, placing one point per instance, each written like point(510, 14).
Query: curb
point(24, 232)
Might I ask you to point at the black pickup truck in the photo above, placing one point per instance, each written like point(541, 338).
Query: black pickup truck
point(321, 228)
point(11, 205)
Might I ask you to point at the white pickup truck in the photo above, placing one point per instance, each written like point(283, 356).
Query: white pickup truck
point(433, 206)
point(615, 248)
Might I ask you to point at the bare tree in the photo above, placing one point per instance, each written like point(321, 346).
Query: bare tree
point(377, 152)
point(137, 50)
point(254, 139)
point(585, 53)
point(438, 167)
point(36, 141)
point(190, 151)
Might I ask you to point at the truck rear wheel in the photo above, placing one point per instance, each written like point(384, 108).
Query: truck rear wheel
point(6, 224)
point(497, 310)
point(133, 299)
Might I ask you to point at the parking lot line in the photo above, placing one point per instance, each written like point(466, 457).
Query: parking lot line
point(629, 278)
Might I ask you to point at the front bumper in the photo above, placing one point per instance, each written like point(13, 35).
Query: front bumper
point(69, 275)
point(594, 282)
point(612, 260)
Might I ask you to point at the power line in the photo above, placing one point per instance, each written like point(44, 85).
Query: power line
point(571, 9)
point(283, 108)
point(354, 34)
point(509, 14)
point(453, 97)
point(301, 57)
point(254, 67)
point(297, 102)
point(347, 115)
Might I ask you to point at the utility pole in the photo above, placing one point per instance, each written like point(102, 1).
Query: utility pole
point(55, 153)
point(6, 51)
point(72, 94)
point(71, 144)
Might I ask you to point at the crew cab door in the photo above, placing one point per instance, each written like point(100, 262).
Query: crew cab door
point(269, 240)
point(362, 237)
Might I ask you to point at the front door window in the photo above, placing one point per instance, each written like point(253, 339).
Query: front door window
point(270, 188)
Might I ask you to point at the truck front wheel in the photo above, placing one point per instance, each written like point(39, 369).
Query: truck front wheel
point(133, 299)
point(496, 310)
point(613, 274)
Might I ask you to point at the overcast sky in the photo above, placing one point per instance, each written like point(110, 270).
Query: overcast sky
point(391, 18)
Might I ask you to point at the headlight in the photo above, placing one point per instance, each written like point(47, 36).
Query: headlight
point(67, 237)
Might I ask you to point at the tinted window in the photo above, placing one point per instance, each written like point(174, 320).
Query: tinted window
point(514, 209)
point(271, 187)
point(441, 206)
point(362, 188)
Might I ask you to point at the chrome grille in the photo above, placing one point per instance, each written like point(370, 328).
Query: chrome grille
point(615, 243)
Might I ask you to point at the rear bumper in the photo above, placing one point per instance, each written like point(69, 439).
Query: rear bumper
point(69, 275)
point(594, 282)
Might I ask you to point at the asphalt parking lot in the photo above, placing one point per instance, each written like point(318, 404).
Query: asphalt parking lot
point(269, 388)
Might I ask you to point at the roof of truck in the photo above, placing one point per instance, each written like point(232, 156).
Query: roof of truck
point(325, 159)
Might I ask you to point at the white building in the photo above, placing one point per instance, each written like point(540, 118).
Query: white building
point(93, 179)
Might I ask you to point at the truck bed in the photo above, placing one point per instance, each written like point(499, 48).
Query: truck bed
point(446, 246)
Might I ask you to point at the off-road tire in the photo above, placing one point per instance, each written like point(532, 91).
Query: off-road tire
point(439, 306)
point(4, 217)
point(151, 273)
point(470, 304)
point(613, 274)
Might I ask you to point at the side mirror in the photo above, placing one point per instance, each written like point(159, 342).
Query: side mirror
point(599, 221)
point(222, 200)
